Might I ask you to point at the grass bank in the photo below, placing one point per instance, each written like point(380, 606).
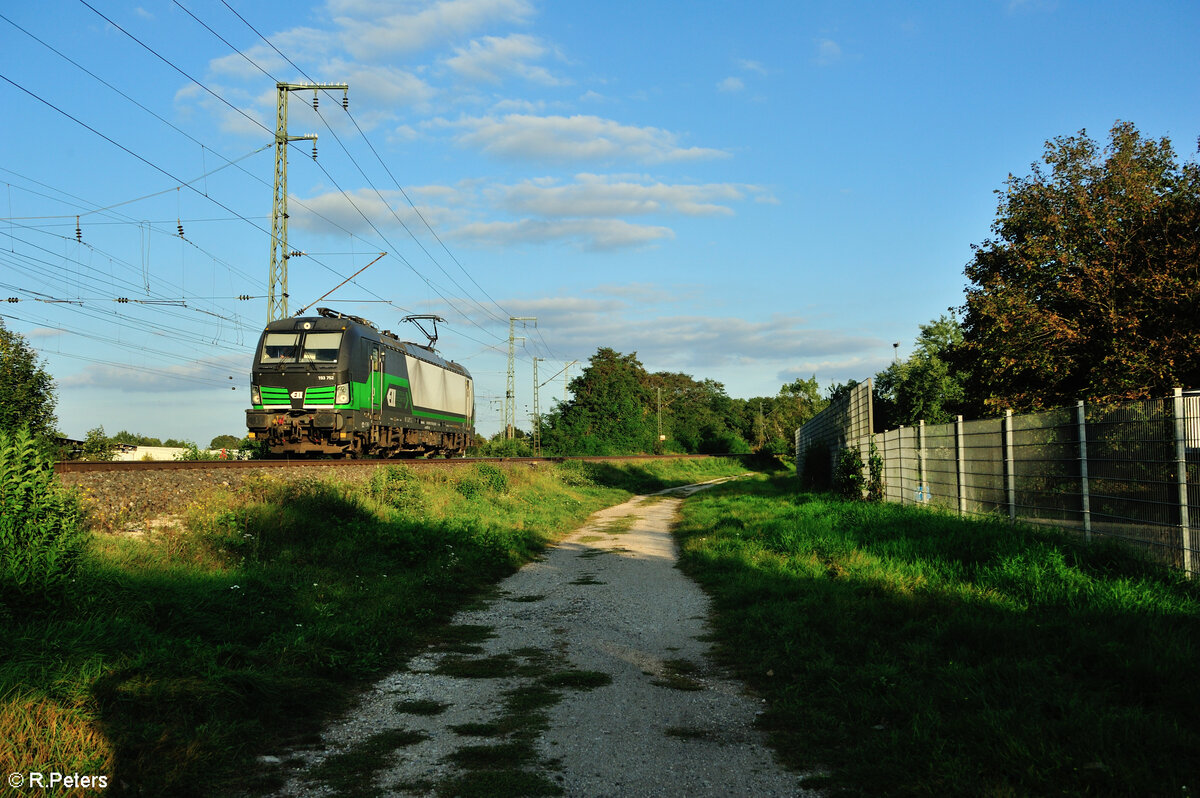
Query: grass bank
point(176, 658)
point(907, 653)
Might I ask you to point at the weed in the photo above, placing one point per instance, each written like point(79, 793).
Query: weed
point(352, 771)
point(908, 652)
point(577, 680)
point(181, 656)
point(419, 706)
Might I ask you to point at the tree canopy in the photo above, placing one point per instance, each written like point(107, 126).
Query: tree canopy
point(1090, 285)
point(617, 407)
point(27, 388)
point(928, 385)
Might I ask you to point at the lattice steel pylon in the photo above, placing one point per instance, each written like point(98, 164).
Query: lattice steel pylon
point(510, 394)
point(277, 291)
point(537, 411)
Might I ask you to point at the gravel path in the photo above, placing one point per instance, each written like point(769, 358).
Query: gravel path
point(584, 674)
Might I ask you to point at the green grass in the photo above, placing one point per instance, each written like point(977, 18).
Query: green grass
point(172, 661)
point(909, 653)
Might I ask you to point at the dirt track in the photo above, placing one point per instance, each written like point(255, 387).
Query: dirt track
point(585, 673)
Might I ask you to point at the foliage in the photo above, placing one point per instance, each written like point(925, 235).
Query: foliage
point(41, 529)
point(193, 453)
point(97, 447)
point(134, 439)
point(927, 386)
point(848, 479)
point(903, 652)
point(609, 411)
point(399, 488)
point(499, 446)
point(27, 388)
point(875, 484)
point(1088, 288)
point(225, 442)
point(251, 449)
point(619, 408)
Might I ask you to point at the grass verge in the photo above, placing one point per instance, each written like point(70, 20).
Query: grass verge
point(908, 653)
point(172, 661)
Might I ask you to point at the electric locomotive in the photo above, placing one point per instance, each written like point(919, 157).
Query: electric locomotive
point(335, 384)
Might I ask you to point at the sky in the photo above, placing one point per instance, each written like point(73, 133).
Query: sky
point(749, 192)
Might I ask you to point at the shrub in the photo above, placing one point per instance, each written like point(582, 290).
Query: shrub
point(42, 532)
point(398, 488)
point(492, 477)
point(848, 480)
point(875, 484)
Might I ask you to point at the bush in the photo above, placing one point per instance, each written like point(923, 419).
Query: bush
point(875, 484)
point(397, 487)
point(848, 480)
point(42, 532)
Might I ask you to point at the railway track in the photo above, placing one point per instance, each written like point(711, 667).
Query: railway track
point(74, 466)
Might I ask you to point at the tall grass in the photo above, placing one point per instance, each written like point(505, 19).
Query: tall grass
point(173, 660)
point(907, 653)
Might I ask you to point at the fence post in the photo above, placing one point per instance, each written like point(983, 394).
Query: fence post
point(900, 469)
point(1084, 494)
point(1010, 479)
point(959, 453)
point(921, 476)
point(1181, 478)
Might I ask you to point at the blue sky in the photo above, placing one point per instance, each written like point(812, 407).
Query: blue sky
point(749, 192)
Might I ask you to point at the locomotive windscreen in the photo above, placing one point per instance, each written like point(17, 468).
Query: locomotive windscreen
point(285, 347)
point(279, 348)
point(321, 347)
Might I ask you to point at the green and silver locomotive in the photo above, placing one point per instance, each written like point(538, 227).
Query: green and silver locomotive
point(335, 384)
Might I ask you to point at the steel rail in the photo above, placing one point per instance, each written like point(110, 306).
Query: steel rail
point(77, 466)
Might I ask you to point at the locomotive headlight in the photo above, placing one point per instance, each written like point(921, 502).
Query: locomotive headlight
point(255, 395)
point(342, 395)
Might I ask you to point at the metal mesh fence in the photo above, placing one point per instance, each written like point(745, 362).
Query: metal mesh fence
point(846, 422)
point(1130, 472)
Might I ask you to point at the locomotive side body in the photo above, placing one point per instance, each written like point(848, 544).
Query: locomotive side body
point(334, 384)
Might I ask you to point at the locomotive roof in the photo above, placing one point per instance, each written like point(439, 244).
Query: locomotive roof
point(332, 320)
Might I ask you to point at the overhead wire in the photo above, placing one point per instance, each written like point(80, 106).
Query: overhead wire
point(367, 141)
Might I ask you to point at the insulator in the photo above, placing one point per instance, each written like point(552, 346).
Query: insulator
point(12, 299)
point(245, 296)
point(122, 300)
point(295, 253)
point(314, 150)
point(314, 101)
point(78, 231)
point(179, 227)
point(345, 101)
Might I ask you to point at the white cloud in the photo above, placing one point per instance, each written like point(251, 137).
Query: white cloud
point(374, 30)
point(493, 58)
point(336, 213)
point(200, 375)
point(731, 85)
point(598, 195)
point(562, 139)
point(630, 318)
point(751, 66)
point(828, 52)
point(587, 234)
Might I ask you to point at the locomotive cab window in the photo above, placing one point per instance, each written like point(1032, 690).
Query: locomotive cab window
point(280, 348)
point(321, 347)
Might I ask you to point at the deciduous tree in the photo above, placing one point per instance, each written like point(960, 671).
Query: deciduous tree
point(26, 387)
point(1090, 285)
